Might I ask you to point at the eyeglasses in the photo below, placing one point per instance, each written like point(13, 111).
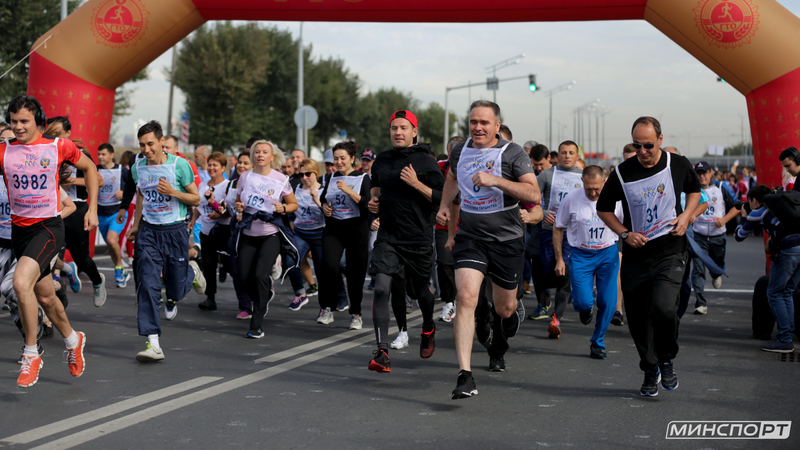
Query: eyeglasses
point(647, 146)
point(305, 174)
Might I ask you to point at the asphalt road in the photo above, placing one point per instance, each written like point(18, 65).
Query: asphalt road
point(306, 385)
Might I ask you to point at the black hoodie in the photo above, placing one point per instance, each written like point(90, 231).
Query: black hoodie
point(407, 218)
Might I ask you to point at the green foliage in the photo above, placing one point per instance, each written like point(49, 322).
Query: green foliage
point(431, 126)
point(374, 110)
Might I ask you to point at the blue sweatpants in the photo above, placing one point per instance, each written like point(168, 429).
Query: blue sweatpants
point(160, 250)
point(584, 266)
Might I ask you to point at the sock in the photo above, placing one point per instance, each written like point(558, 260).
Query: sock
point(31, 351)
point(67, 269)
point(117, 267)
point(71, 341)
point(153, 339)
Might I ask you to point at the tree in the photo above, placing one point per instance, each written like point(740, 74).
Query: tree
point(23, 22)
point(374, 111)
point(431, 125)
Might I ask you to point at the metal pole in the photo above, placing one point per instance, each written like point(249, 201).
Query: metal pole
point(597, 131)
point(171, 90)
point(300, 133)
point(305, 129)
point(446, 120)
point(63, 9)
point(550, 134)
point(494, 75)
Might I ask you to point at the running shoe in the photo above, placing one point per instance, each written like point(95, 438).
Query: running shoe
point(510, 325)
point(73, 278)
point(541, 312)
point(371, 285)
point(208, 305)
point(150, 354)
point(75, 356)
point(597, 352)
point(650, 385)
point(448, 313)
point(527, 288)
point(325, 316)
point(223, 276)
point(428, 344)
point(255, 334)
point(47, 332)
point(716, 282)
point(170, 309)
point(29, 372)
point(5, 305)
point(554, 329)
point(618, 320)
point(244, 315)
point(343, 305)
point(199, 282)
point(380, 362)
point(355, 322)
point(778, 347)
point(586, 317)
point(497, 364)
point(465, 386)
point(298, 302)
point(701, 310)
point(401, 341)
point(312, 290)
point(39, 350)
point(100, 292)
point(669, 380)
point(271, 297)
point(484, 334)
point(521, 311)
point(121, 276)
point(276, 271)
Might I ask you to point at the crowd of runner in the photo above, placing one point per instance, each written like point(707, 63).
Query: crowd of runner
point(476, 228)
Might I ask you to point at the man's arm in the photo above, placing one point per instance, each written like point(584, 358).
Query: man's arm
point(525, 190)
point(137, 218)
point(448, 195)
point(682, 222)
point(558, 239)
point(91, 175)
point(374, 201)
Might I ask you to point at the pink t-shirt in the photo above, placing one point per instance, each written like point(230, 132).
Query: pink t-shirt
point(259, 227)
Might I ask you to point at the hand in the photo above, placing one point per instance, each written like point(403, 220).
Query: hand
point(69, 181)
point(282, 208)
point(238, 206)
point(164, 188)
point(692, 219)
point(190, 225)
point(718, 222)
point(214, 215)
point(451, 241)
point(636, 240)
point(680, 223)
point(118, 194)
point(481, 179)
point(327, 210)
point(561, 267)
point(344, 187)
point(375, 225)
point(550, 219)
point(210, 197)
point(121, 216)
point(131, 234)
point(90, 221)
point(443, 217)
point(409, 176)
point(314, 193)
point(525, 216)
point(374, 204)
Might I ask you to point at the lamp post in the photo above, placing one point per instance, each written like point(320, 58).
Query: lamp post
point(550, 93)
point(502, 64)
point(578, 124)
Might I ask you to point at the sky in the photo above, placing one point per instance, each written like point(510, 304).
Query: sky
point(629, 66)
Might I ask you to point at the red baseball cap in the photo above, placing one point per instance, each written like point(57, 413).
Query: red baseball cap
point(405, 114)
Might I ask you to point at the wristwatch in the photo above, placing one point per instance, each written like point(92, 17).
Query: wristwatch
point(624, 235)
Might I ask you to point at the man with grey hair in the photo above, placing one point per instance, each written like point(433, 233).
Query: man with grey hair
point(529, 145)
point(201, 155)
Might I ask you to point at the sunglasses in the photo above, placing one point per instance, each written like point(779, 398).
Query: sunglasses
point(305, 174)
point(647, 146)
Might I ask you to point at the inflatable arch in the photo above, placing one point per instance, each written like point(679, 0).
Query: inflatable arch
point(752, 44)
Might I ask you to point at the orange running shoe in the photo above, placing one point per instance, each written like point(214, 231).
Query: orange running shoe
point(75, 356)
point(554, 329)
point(29, 372)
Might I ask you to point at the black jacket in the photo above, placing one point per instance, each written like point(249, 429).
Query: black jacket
point(407, 217)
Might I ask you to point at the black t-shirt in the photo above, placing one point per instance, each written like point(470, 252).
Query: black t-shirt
point(684, 179)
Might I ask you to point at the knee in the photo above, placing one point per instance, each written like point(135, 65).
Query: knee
point(506, 309)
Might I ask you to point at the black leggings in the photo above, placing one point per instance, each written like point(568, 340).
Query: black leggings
point(355, 247)
point(257, 255)
point(214, 247)
point(394, 284)
point(77, 240)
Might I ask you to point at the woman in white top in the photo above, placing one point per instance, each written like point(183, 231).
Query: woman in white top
point(243, 164)
point(214, 226)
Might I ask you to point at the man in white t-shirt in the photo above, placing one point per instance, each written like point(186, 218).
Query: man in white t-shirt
point(593, 255)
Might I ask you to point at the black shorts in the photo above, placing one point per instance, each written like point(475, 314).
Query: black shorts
point(40, 242)
point(502, 261)
point(403, 260)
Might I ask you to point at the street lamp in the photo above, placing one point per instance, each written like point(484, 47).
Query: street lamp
point(550, 93)
point(493, 82)
point(578, 123)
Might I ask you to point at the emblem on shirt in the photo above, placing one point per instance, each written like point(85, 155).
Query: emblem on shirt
point(727, 23)
point(661, 188)
point(119, 23)
point(270, 192)
point(489, 164)
point(713, 199)
point(44, 162)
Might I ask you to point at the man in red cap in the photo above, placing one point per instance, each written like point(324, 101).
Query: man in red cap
point(406, 187)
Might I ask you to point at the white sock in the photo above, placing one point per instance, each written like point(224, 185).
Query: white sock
point(67, 269)
point(71, 341)
point(153, 339)
point(31, 351)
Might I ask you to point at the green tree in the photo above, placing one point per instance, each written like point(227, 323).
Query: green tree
point(431, 126)
point(22, 23)
point(374, 110)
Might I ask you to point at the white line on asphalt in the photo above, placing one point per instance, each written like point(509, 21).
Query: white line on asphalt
point(320, 343)
point(110, 410)
point(730, 291)
point(152, 412)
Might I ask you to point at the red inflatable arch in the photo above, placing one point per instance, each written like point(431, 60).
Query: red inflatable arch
point(752, 44)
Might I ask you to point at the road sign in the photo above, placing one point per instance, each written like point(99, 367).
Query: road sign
point(306, 117)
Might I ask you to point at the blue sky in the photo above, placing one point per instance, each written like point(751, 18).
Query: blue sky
point(629, 65)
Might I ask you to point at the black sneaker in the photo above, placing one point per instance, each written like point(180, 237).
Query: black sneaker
point(428, 344)
point(497, 364)
point(255, 334)
point(47, 332)
point(465, 386)
point(669, 380)
point(650, 385)
point(596, 352)
point(222, 275)
point(312, 290)
point(484, 334)
point(510, 325)
point(520, 311)
point(586, 317)
point(208, 305)
point(380, 361)
point(617, 320)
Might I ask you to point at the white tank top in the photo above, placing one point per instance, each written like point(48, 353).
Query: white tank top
point(651, 202)
point(474, 199)
point(343, 207)
point(704, 225)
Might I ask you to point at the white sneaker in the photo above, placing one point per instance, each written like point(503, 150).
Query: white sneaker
point(276, 270)
point(325, 316)
point(401, 341)
point(717, 282)
point(170, 309)
point(100, 292)
point(448, 313)
point(199, 283)
point(701, 310)
point(151, 354)
point(355, 322)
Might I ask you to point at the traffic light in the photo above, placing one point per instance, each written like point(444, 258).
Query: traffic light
point(532, 83)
